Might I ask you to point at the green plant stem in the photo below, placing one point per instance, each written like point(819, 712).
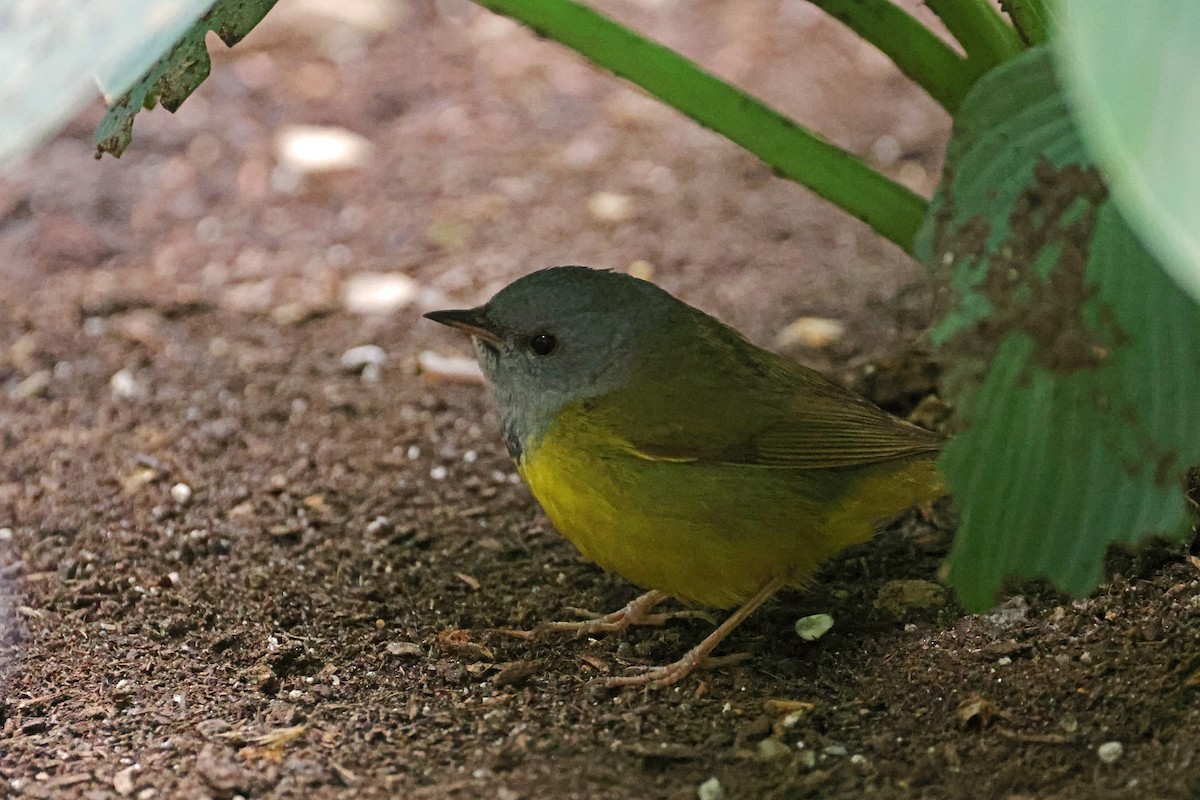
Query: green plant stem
point(916, 50)
point(1029, 18)
point(979, 28)
point(833, 173)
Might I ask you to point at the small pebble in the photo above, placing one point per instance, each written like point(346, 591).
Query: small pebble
point(711, 789)
point(610, 207)
point(438, 473)
point(379, 525)
point(181, 493)
point(413, 452)
point(836, 750)
point(886, 151)
point(811, 332)
point(1003, 661)
point(309, 148)
point(449, 369)
point(125, 386)
point(1011, 612)
point(814, 626)
point(771, 749)
point(378, 293)
point(6, 534)
point(642, 270)
point(1110, 752)
point(408, 649)
point(365, 355)
point(36, 385)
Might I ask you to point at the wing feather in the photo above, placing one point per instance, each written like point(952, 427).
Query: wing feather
point(748, 407)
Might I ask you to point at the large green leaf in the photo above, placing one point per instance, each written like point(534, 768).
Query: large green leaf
point(1072, 359)
point(52, 50)
point(1132, 71)
point(172, 78)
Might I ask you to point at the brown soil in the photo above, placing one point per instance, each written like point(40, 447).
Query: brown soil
point(319, 618)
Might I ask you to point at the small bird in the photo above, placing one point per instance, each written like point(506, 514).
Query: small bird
point(669, 449)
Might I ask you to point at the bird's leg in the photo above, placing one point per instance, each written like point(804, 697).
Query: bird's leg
point(659, 677)
point(635, 612)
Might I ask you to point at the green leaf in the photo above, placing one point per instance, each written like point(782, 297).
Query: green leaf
point(1071, 357)
point(1132, 72)
point(54, 50)
point(797, 153)
point(176, 75)
point(920, 53)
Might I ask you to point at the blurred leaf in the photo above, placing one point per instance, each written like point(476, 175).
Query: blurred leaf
point(53, 49)
point(1071, 357)
point(172, 78)
point(1132, 73)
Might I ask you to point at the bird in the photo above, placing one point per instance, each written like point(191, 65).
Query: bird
point(669, 449)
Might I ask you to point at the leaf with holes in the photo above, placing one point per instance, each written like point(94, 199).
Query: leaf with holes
point(177, 74)
point(1071, 358)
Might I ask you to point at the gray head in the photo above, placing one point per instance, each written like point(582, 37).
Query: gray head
point(558, 336)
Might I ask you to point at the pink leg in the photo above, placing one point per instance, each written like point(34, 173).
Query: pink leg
point(660, 677)
point(636, 612)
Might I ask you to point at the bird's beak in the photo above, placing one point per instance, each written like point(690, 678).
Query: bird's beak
point(471, 320)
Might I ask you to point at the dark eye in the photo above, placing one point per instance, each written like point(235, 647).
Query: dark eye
point(543, 344)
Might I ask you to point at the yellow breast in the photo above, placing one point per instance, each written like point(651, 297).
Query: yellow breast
point(711, 534)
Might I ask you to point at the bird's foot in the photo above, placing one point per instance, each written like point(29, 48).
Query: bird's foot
point(636, 612)
point(698, 656)
point(667, 674)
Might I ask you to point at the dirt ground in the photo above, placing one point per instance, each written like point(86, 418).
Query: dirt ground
point(232, 566)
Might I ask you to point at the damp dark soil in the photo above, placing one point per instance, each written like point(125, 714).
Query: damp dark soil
point(232, 564)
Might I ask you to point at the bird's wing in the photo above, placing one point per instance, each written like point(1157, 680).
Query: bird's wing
point(749, 407)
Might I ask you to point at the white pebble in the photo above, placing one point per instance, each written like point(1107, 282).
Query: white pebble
point(438, 473)
point(886, 151)
point(181, 493)
point(125, 387)
point(364, 355)
point(811, 332)
point(6, 534)
point(711, 789)
point(309, 148)
point(378, 293)
point(413, 453)
point(1110, 752)
point(470, 456)
point(610, 207)
point(449, 368)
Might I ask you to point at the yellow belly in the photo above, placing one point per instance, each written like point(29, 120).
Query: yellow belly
point(710, 534)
